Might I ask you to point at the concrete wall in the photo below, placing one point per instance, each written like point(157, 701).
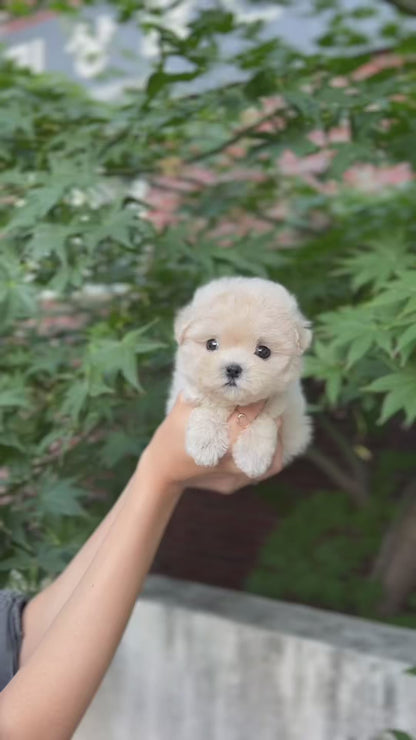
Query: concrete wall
point(203, 663)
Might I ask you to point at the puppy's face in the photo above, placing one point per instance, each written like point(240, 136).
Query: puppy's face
point(239, 347)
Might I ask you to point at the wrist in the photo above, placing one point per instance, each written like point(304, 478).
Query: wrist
point(155, 477)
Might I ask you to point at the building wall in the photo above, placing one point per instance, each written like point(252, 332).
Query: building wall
point(204, 663)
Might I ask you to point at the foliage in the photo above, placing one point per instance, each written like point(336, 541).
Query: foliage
point(311, 565)
point(110, 215)
point(323, 549)
point(369, 345)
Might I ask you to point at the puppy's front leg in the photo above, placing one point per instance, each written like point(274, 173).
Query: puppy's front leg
point(207, 438)
point(254, 449)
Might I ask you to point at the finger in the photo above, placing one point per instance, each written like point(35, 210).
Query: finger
point(180, 403)
point(242, 417)
point(181, 409)
point(250, 411)
point(231, 484)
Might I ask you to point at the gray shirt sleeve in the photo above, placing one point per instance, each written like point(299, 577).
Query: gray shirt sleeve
point(11, 608)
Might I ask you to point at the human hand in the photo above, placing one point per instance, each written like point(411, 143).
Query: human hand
point(167, 462)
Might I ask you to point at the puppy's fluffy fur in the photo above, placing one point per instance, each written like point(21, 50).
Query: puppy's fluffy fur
point(242, 315)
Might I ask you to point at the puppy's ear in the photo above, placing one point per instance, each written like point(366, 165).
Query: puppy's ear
point(303, 334)
point(182, 321)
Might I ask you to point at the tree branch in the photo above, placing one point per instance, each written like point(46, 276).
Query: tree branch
point(389, 540)
point(359, 470)
point(338, 476)
point(233, 140)
point(406, 6)
point(395, 565)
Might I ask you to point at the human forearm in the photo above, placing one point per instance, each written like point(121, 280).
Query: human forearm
point(51, 691)
point(42, 609)
point(60, 679)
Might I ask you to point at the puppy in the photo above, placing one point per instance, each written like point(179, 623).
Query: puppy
point(241, 340)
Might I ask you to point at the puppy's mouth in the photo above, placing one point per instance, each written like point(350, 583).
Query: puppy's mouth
point(232, 389)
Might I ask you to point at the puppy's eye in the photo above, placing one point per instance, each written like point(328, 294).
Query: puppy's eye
point(212, 344)
point(262, 351)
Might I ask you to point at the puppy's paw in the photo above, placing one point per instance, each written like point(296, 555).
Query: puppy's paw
point(206, 437)
point(254, 449)
point(296, 435)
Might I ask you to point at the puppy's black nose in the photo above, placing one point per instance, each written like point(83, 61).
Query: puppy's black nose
point(233, 371)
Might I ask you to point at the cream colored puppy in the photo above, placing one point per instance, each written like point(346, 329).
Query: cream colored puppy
point(241, 340)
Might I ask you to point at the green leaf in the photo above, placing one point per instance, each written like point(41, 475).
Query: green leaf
point(12, 440)
point(264, 82)
point(75, 399)
point(12, 398)
point(379, 261)
point(402, 289)
point(358, 348)
point(325, 364)
point(118, 224)
point(47, 239)
point(161, 79)
point(50, 558)
point(17, 296)
point(118, 445)
point(240, 262)
point(19, 560)
point(212, 21)
point(333, 387)
point(408, 337)
point(392, 381)
point(39, 203)
point(128, 367)
point(258, 55)
point(108, 357)
point(131, 345)
point(60, 498)
point(401, 393)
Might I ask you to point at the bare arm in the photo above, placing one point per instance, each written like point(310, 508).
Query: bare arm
point(54, 688)
point(57, 681)
point(41, 611)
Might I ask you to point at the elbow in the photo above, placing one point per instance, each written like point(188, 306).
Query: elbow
point(10, 731)
point(10, 727)
point(7, 731)
point(18, 725)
